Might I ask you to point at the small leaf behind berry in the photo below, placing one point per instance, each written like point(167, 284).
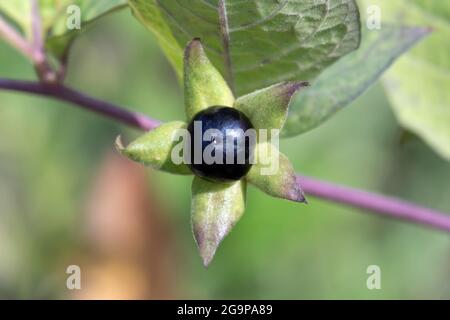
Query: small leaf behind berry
point(204, 86)
point(154, 148)
point(274, 174)
point(267, 108)
point(216, 207)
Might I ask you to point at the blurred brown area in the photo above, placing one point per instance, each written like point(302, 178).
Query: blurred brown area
point(129, 249)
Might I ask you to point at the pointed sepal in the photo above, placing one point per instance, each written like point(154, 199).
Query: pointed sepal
point(267, 108)
point(216, 207)
point(204, 86)
point(154, 148)
point(274, 174)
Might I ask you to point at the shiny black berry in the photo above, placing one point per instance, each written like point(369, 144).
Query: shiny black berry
point(223, 153)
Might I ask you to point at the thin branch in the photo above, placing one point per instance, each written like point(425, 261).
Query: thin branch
point(33, 52)
point(64, 93)
point(377, 203)
point(43, 68)
point(36, 25)
point(15, 39)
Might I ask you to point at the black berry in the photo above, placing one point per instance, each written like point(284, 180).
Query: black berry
point(227, 142)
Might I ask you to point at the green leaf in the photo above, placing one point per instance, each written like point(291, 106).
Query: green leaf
point(151, 17)
point(59, 37)
point(204, 86)
point(216, 208)
point(257, 43)
point(348, 78)
point(54, 17)
point(274, 174)
point(267, 108)
point(418, 84)
point(154, 148)
point(19, 12)
point(420, 96)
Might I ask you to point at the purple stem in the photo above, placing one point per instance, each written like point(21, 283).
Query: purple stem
point(64, 93)
point(387, 206)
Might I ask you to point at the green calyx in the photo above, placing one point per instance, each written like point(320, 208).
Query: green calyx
point(155, 147)
point(204, 86)
point(216, 207)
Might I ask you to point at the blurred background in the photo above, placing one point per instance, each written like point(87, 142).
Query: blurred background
point(67, 198)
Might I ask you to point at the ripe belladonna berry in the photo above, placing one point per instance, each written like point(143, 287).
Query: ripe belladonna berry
point(224, 153)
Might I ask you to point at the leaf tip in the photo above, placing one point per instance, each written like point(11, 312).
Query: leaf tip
point(119, 144)
point(295, 193)
point(207, 256)
point(294, 86)
point(286, 91)
point(207, 249)
point(194, 49)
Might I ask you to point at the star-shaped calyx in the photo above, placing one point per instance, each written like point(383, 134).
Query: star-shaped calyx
point(217, 204)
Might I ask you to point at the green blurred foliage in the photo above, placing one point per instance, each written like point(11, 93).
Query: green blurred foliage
point(49, 152)
point(417, 86)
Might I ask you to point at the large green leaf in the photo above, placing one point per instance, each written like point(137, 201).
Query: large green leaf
point(55, 16)
point(348, 78)
point(256, 43)
point(418, 84)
